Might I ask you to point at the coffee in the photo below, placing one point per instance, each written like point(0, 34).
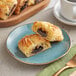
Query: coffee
point(72, 0)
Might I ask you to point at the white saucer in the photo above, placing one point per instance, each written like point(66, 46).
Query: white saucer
point(57, 14)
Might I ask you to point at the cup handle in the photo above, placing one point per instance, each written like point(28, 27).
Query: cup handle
point(74, 12)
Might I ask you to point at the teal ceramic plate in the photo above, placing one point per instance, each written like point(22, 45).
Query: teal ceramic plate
point(58, 50)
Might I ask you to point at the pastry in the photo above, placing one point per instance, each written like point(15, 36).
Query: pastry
point(7, 7)
point(20, 6)
point(33, 44)
point(48, 31)
point(10, 7)
point(31, 2)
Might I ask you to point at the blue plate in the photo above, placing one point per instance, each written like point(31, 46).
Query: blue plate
point(58, 50)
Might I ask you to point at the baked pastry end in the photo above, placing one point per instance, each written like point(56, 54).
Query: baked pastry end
point(48, 31)
point(7, 8)
point(33, 44)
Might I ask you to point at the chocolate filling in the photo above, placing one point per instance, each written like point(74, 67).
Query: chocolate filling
point(24, 6)
point(11, 10)
point(37, 49)
point(7, 14)
point(38, 1)
point(41, 32)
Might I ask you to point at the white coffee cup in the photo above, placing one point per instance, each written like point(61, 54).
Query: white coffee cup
point(68, 9)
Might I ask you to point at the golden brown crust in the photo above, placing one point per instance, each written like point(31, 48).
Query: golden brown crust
point(22, 4)
point(7, 7)
point(29, 42)
point(53, 33)
point(31, 2)
point(19, 6)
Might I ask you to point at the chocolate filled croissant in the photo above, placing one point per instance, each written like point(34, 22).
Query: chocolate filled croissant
point(7, 7)
point(33, 44)
point(48, 31)
point(20, 6)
